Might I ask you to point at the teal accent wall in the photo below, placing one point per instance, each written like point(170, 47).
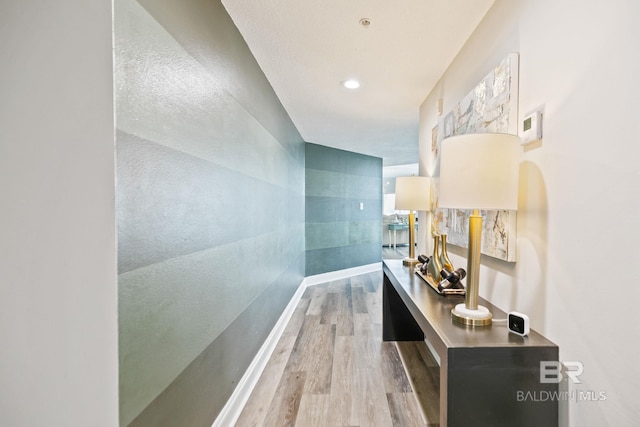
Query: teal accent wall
point(210, 209)
point(338, 233)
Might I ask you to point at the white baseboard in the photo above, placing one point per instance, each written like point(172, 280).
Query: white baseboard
point(342, 274)
point(231, 411)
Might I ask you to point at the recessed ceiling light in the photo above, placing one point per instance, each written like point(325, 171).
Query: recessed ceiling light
point(351, 84)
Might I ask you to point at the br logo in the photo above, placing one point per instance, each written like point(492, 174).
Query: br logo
point(553, 372)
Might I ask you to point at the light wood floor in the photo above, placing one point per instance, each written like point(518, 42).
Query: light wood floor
point(331, 367)
point(399, 252)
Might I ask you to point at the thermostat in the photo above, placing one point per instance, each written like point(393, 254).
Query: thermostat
point(532, 128)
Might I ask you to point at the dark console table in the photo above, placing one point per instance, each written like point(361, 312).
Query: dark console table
point(488, 376)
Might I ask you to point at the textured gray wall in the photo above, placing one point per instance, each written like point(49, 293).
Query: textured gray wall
point(338, 233)
point(210, 209)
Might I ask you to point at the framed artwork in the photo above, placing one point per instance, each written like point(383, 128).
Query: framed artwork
point(491, 106)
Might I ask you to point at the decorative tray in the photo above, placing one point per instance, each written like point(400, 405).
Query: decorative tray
point(433, 284)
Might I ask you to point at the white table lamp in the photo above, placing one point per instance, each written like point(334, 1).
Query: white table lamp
point(478, 172)
point(412, 194)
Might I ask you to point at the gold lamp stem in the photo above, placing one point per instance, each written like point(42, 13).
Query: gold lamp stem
point(473, 261)
point(470, 313)
point(411, 260)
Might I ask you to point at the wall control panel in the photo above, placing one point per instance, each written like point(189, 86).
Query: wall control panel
point(531, 130)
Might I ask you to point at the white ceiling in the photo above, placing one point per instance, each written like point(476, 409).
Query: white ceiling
point(306, 48)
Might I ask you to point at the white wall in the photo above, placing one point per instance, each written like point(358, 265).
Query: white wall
point(58, 325)
point(579, 189)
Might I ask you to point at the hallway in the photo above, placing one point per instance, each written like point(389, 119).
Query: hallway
point(331, 368)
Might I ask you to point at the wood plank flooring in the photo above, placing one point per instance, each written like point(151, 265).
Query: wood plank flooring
point(398, 253)
point(331, 367)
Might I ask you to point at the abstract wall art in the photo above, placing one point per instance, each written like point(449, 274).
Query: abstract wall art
point(491, 106)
